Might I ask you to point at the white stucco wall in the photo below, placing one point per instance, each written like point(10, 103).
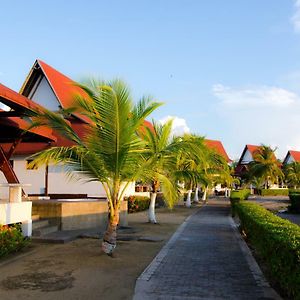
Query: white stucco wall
point(247, 157)
point(45, 96)
point(34, 177)
point(290, 160)
point(58, 181)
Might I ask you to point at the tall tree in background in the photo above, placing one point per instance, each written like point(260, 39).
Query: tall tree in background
point(266, 166)
point(292, 174)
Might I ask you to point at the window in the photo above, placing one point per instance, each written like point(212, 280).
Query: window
point(30, 166)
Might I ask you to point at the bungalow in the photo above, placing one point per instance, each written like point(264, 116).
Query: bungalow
point(46, 87)
point(218, 147)
point(247, 157)
point(12, 134)
point(291, 156)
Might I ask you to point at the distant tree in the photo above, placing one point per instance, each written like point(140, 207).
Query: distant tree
point(292, 174)
point(265, 166)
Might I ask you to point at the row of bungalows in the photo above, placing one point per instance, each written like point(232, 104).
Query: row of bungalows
point(248, 154)
point(45, 87)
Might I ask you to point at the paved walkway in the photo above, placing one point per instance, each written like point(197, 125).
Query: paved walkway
point(205, 259)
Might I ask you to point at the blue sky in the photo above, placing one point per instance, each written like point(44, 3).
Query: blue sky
point(229, 69)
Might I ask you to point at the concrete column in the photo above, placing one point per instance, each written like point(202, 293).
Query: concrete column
point(27, 228)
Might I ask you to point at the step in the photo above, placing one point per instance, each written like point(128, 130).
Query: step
point(51, 238)
point(44, 230)
point(39, 224)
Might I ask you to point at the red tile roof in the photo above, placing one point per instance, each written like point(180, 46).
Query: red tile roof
point(17, 101)
point(295, 155)
point(22, 104)
point(63, 87)
point(253, 148)
point(218, 146)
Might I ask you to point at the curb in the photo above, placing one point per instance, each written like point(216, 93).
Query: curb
point(269, 292)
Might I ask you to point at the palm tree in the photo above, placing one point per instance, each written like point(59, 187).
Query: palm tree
point(292, 174)
point(111, 152)
point(191, 163)
point(161, 154)
point(265, 166)
point(212, 170)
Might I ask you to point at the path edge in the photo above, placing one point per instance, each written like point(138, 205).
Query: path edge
point(269, 292)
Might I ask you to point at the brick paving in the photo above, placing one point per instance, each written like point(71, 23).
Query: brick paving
point(205, 259)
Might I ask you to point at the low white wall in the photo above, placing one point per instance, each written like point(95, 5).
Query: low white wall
point(58, 181)
point(11, 213)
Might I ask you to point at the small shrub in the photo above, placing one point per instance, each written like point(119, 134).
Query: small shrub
point(295, 202)
point(274, 192)
point(294, 191)
point(240, 194)
point(277, 242)
point(137, 203)
point(11, 239)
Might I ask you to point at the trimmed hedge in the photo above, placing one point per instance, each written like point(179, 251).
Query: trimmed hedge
point(277, 241)
point(137, 203)
point(11, 239)
point(295, 203)
point(239, 194)
point(274, 192)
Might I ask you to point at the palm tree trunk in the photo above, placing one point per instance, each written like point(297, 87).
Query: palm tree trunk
point(196, 198)
point(188, 202)
point(226, 192)
point(151, 211)
point(109, 242)
point(204, 194)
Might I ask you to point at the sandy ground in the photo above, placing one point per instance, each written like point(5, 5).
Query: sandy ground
point(78, 270)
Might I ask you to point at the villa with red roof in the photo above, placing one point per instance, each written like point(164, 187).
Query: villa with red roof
point(245, 159)
point(291, 156)
point(43, 87)
point(218, 147)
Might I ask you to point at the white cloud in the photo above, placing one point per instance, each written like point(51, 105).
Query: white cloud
point(261, 114)
point(179, 126)
point(295, 19)
point(255, 96)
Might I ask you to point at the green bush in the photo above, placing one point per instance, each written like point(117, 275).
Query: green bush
point(239, 194)
point(11, 239)
point(274, 192)
point(277, 242)
point(137, 203)
point(295, 202)
point(294, 191)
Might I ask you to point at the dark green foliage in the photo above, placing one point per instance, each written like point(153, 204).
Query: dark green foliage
point(294, 191)
point(274, 192)
point(11, 239)
point(137, 203)
point(295, 202)
point(277, 242)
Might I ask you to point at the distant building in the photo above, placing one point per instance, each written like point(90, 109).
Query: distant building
point(247, 157)
point(218, 147)
point(291, 156)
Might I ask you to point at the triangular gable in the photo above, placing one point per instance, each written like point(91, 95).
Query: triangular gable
point(218, 147)
point(51, 88)
point(247, 154)
point(291, 156)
